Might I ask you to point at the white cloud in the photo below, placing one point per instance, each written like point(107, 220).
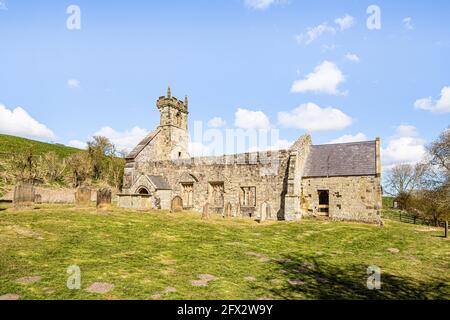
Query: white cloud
point(325, 79)
point(77, 144)
point(313, 33)
point(19, 123)
point(3, 5)
point(73, 83)
point(346, 22)
point(123, 140)
point(216, 122)
point(352, 57)
point(247, 119)
point(261, 4)
point(311, 117)
point(407, 23)
point(349, 138)
point(440, 106)
point(404, 147)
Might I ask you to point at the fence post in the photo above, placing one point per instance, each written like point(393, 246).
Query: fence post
point(446, 229)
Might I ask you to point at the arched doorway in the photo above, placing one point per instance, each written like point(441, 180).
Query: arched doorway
point(143, 190)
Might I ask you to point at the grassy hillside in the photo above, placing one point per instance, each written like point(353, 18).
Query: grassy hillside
point(160, 255)
point(11, 144)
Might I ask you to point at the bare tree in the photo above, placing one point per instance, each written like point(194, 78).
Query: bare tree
point(52, 167)
point(439, 152)
point(405, 178)
point(80, 168)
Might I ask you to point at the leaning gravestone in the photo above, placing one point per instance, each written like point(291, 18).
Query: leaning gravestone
point(176, 204)
point(104, 198)
point(24, 195)
point(205, 214)
point(83, 196)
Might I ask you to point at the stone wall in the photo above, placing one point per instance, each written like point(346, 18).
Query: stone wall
point(265, 172)
point(350, 198)
point(56, 196)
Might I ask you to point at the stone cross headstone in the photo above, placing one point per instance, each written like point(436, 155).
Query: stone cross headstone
point(177, 204)
point(104, 196)
point(83, 196)
point(238, 209)
point(205, 214)
point(24, 195)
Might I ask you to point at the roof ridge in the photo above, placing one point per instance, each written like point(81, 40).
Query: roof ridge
point(343, 143)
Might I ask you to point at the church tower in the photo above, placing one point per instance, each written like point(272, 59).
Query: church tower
point(173, 127)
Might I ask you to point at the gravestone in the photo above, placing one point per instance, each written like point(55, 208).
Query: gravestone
point(263, 212)
point(227, 211)
point(24, 195)
point(176, 204)
point(104, 196)
point(157, 202)
point(269, 211)
point(83, 196)
point(38, 199)
point(205, 214)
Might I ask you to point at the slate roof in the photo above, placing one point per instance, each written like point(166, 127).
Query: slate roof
point(159, 182)
point(135, 152)
point(346, 159)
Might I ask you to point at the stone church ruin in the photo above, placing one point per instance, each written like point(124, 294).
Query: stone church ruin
point(336, 181)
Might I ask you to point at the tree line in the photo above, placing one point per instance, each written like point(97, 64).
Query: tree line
point(99, 164)
point(423, 189)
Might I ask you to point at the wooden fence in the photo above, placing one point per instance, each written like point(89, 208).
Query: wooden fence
point(410, 218)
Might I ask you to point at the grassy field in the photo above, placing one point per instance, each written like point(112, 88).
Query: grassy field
point(159, 255)
point(12, 145)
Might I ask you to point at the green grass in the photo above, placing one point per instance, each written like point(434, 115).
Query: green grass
point(144, 253)
point(13, 145)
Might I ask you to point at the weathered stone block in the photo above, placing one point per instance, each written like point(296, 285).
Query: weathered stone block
point(24, 195)
point(205, 214)
point(104, 197)
point(83, 196)
point(176, 204)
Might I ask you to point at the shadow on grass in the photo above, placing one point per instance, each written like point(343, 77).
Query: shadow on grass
point(310, 279)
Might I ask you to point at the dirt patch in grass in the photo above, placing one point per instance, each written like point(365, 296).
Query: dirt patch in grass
point(203, 280)
point(28, 280)
point(9, 296)
point(24, 232)
point(100, 287)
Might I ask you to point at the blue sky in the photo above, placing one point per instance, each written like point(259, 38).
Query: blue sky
point(289, 65)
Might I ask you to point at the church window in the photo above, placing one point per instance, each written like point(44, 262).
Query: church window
point(248, 196)
point(188, 195)
point(216, 194)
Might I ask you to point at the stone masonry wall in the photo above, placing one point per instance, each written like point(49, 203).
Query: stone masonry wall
point(351, 198)
point(266, 174)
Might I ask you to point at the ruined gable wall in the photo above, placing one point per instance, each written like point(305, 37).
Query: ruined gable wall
point(351, 198)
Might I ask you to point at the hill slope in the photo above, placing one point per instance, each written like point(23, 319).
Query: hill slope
point(12, 144)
